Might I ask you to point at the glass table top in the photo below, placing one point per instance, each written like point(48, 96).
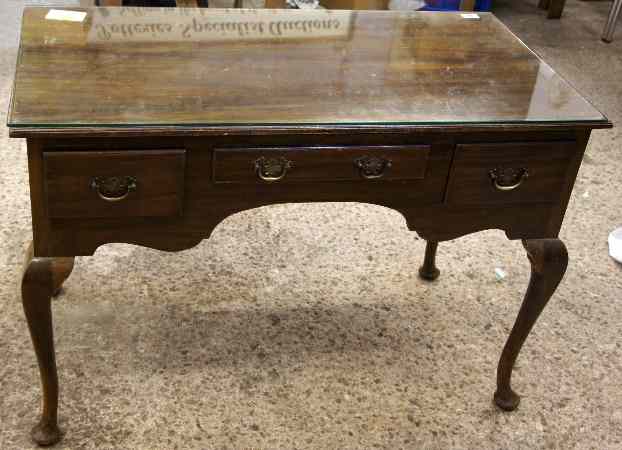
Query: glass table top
point(123, 66)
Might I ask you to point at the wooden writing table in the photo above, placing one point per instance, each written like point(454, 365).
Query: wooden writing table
point(150, 126)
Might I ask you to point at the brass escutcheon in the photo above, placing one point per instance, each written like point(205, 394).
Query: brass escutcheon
point(508, 179)
point(272, 169)
point(113, 189)
point(372, 167)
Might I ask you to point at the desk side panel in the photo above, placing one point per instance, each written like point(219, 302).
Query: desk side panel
point(40, 220)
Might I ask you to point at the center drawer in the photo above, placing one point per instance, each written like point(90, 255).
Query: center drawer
point(267, 165)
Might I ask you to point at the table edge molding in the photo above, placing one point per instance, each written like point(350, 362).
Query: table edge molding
point(259, 130)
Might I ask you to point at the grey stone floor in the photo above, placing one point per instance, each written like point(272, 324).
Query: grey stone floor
point(305, 326)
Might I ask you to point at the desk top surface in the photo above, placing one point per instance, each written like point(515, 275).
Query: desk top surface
point(134, 67)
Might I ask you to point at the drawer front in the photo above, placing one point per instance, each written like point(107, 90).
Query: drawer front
point(80, 184)
point(532, 172)
point(285, 165)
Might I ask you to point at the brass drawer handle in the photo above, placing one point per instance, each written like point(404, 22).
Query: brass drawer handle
point(508, 179)
point(113, 189)
point(372, 167)
point(272, 169)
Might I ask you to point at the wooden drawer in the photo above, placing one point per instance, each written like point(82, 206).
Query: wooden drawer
point(84, 184)
point(285, 165)
point(531, 172)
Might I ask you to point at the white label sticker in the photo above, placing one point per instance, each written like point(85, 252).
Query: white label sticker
point(62, 14)
point(470, 16)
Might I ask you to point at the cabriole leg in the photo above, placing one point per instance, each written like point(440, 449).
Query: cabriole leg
point(429, 271)
point(548, 258)
point(42, 277)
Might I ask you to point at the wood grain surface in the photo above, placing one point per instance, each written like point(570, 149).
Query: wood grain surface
point(236, 165)
point(123, 67)
point(159, 177)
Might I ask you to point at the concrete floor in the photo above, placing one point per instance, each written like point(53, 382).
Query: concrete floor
point(305, 326)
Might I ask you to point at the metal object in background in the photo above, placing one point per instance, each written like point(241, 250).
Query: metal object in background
point(156, 3)
point(610, 26)
point(303, 4)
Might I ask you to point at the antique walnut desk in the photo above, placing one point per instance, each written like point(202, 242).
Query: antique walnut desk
point(150, 126)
